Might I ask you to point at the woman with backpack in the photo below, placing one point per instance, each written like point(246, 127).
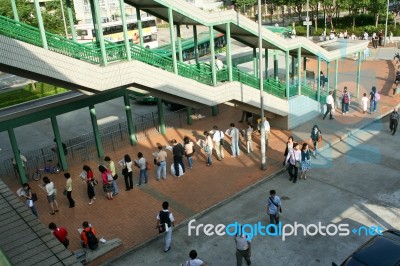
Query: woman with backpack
point(107, 177)
point(316, 136)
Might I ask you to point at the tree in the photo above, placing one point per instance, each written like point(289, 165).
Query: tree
point(376, 8)
point(354, 7)
point(298, 7)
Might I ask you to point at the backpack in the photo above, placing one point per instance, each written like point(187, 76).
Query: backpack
point(92, 241)
point(164, 219)
point(109, 176)
point(346, 98)
point(377, 96)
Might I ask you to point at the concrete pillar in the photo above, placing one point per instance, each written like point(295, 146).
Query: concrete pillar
point(96, 14)
point(14, 9)
point(336, 78)
point(131, 126)
point(319, 79)
point(71, 19)
point(228, 51)
point(213, 69)
point(60, 150)
point(305, 70)
point(214, 110)
point(140, 28)
point(189, 120)
point(266, 63)
point(161, 117)
point(276, 69)
point(96, 131)
point(328, 75)
point(255, 62)
point(178, 34)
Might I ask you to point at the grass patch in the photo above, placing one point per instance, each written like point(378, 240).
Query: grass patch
point(29, 93)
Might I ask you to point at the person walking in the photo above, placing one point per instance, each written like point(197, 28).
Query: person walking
point(126, 164)
point(51, 194)
point(189, 150)
point(142, 164)
point(345, 98)
point(60, 233)
point(111, 166)
point(315, 137)
point(193, 260)
point(289, 148)
point(234, 134)
point(373, 100)
point(305, 161)
point(68, 188)
point(249, 137)
point(218, 139)
point(89, 179)
point(165, 222)
point(273, 207)
point(294, 159)
point(178, 151)
point(394, 121)
point(208, 147)
point(161, 157)
point(107, 179)
point(243, 248)
point(330, 106)
point(364, 103)
point(29, 199)
point(322, 80)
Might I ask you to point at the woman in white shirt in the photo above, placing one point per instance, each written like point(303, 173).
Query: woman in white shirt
point(126, 165)
point(294, 159)
point(51, 195)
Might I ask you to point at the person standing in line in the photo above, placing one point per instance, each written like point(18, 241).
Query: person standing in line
point(364, 102)
point(345, 101)
point(373, 100)
point(273, 207)
point(51, 194)
point(234, 134)
point(380, 36)
point(330, 105)
point(178, 152)
point(193, 261)
point(315, 136)
point(111, 166)
point(126, 164)
point(106, 177)
point(142, 164)
point(289, 148)
point(88, 179)
point(243, 248)
point(394, 121)
point(189, 150)
point(249, 137)
point(267, 131)
point(161, 158)
point(68, 188)
point(218, 139)
point(294, 159)
point(27, 194)
point(208, 147)
point(60, 233)
point(165, 222)
point(305, 161)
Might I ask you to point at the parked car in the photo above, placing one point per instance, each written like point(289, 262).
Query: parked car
point(380, 250)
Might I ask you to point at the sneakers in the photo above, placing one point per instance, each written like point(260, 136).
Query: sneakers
point(167, 250)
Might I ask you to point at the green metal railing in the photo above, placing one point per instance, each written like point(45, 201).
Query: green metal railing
point(115, 52)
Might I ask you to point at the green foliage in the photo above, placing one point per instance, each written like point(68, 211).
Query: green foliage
point(242, 3)
point(27, 93)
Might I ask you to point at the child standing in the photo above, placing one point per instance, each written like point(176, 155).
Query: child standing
point(364, 102)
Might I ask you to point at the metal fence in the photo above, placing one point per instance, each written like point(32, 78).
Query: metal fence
point(83, 148)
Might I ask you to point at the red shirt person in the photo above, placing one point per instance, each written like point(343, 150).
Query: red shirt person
point(60, 233)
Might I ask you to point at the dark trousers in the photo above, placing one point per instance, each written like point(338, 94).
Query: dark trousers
point(375, 43)
point(393, 125)
point(178, 160)
point(90, 191)
point(345, 107)
point(240, 254)
point(128, 181)
point(328, 111)
point(293, 170)
point(71, 201)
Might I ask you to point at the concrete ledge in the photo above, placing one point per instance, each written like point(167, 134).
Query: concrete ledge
point(104, 248)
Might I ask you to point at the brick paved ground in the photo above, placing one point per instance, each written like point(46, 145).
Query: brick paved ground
point(131, 215)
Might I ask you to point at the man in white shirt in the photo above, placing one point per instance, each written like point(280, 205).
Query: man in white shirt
point(218, 139)
point(218, 63)
point(234, 133)
point(329, 105)
point(267, 130)
point(165, 222)
point(193, 261)
point(243, 249)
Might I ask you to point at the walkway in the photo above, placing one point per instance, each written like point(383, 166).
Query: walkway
point(131, 216)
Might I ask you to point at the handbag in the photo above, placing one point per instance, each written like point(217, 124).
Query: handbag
point(115, 177)
point(161, 228)
point(147, 166)
point(297, 164)
point(94, 182)
point(125, 171)
point(319, 137)
point(65, 192)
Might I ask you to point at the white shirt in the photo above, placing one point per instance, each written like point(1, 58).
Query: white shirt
point(128, 165)
point(233, 132)
point(23, 160)
point(365, 101)
point(219, 64)
point(218, 135)
point(195, 262)
point(49, 188)
point(329, 100)
point(267, 126)
point(142, 163)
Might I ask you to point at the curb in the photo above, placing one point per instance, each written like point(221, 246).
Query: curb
point(243, 191)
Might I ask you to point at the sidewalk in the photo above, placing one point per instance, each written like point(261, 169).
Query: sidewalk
point(131, 215)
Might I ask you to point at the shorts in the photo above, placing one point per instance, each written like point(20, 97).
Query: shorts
point(51, 198)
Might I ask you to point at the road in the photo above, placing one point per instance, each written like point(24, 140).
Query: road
point(9, 81)
point(356, 182)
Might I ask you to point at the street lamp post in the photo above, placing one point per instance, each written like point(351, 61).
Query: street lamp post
point(308, 19)
point(386, 24)
point(63, 15)
point(260, 68)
